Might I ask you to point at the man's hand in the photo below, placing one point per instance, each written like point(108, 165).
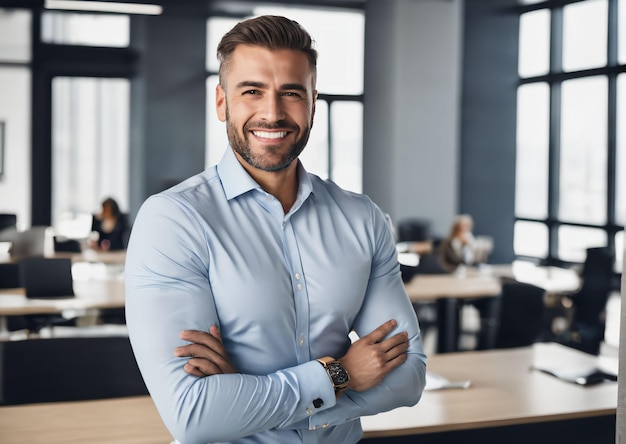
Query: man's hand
point(372, 357)
point(207, 352)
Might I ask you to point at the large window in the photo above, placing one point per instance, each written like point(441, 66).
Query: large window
point(334, 150)
point(89, 149)
point(89, 141)
point(571, 159)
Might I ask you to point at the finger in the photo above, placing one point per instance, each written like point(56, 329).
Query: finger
point(379, 333)
point(200, 337)
point(205, 366)
point(195, 371)
point(399, 349)
point(199, 351)
point(215, 331)
point(395, 340)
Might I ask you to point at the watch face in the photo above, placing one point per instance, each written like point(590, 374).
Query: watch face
point(338, 374)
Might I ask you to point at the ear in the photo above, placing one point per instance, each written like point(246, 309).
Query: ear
point(220, 102)
point(313, 108)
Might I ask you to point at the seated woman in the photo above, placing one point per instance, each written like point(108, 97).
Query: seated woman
point(459, 248)
point(111, 227)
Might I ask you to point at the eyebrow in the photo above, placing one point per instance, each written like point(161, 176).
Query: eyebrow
point(285, 86)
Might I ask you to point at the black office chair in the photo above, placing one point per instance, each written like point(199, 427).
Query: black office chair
point(413, 230)
point(68, 369)
point(521, 315)
point(44, 278)
point(8, 220)
point(588, 304)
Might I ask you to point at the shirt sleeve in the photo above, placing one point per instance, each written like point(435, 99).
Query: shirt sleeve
point(386, 299)
point(167, 291)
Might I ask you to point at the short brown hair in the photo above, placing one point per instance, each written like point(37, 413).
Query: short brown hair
point(269, 31)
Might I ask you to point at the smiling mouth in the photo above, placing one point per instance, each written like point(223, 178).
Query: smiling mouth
point(270, 135)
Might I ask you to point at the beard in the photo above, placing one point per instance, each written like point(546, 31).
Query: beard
point(267, 160)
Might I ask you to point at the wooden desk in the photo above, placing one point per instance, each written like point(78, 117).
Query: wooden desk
point(123, 420)
point(89, 296)
point(503, 392)
point(552, 279)
point(117, 257)
point(446, 290)
point(431, 287)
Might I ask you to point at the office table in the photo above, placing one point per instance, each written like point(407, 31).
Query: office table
point(503, 393)
point(446, 290)
point(90, 295)
point(117, 257)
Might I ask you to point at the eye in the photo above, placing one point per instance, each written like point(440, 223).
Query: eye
point(291, 94)
point(251, 92)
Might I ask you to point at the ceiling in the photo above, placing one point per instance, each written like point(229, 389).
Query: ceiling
point(204, 7)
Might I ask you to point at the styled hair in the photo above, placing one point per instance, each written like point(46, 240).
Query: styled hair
point(113, 206)
point(268, 31)
point(461, 219)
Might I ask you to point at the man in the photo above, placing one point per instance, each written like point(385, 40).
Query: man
point(245, 281)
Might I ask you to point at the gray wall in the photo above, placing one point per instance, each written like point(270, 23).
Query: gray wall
point(487, 175)
point(412, 75)
point(169, 103)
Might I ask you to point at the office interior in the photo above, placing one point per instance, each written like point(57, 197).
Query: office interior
point(440, 103)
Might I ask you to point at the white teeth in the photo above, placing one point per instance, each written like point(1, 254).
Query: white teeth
point(268, 135)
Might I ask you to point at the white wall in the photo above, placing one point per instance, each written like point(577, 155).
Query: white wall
point(412, 84)
point(15, 112)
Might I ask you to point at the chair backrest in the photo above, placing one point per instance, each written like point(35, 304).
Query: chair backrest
point(521, 315)
point(46, 277)
point(8, 220)
point(413, 230)
point(9, 275)
point(597, 275)
point(75, 368)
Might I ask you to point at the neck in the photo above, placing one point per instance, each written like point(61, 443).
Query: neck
point(283, 184)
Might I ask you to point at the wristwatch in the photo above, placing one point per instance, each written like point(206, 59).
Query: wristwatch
point(337, 374)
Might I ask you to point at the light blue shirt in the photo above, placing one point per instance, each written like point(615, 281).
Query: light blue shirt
point(284, 289)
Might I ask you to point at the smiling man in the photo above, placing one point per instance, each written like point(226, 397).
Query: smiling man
point(243, 283)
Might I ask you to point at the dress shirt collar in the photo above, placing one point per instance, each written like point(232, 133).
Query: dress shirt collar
point(236, 180)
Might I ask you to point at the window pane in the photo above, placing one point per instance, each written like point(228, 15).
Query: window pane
point(89, 146)
point(347, 145)
point(574, 241)
point(315, 154)
point(15, 112)
point(620, 195)
point(531, 171)
point(530, 239)
point(585, 27)
point(583, 151)
point(15, 35)
point(621, 28)
point(534, 43)
point(85, 29)
point(216, 28)
point(217, 140)
point(339, 38)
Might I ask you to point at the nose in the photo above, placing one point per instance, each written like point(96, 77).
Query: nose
point(272, 108)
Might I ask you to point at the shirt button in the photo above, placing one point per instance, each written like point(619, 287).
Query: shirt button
point(313, 428)
point(298, 276)
point(301, 340)
point(299, 286)
point(309, 411)
point(268, 198)
point(325, 425)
